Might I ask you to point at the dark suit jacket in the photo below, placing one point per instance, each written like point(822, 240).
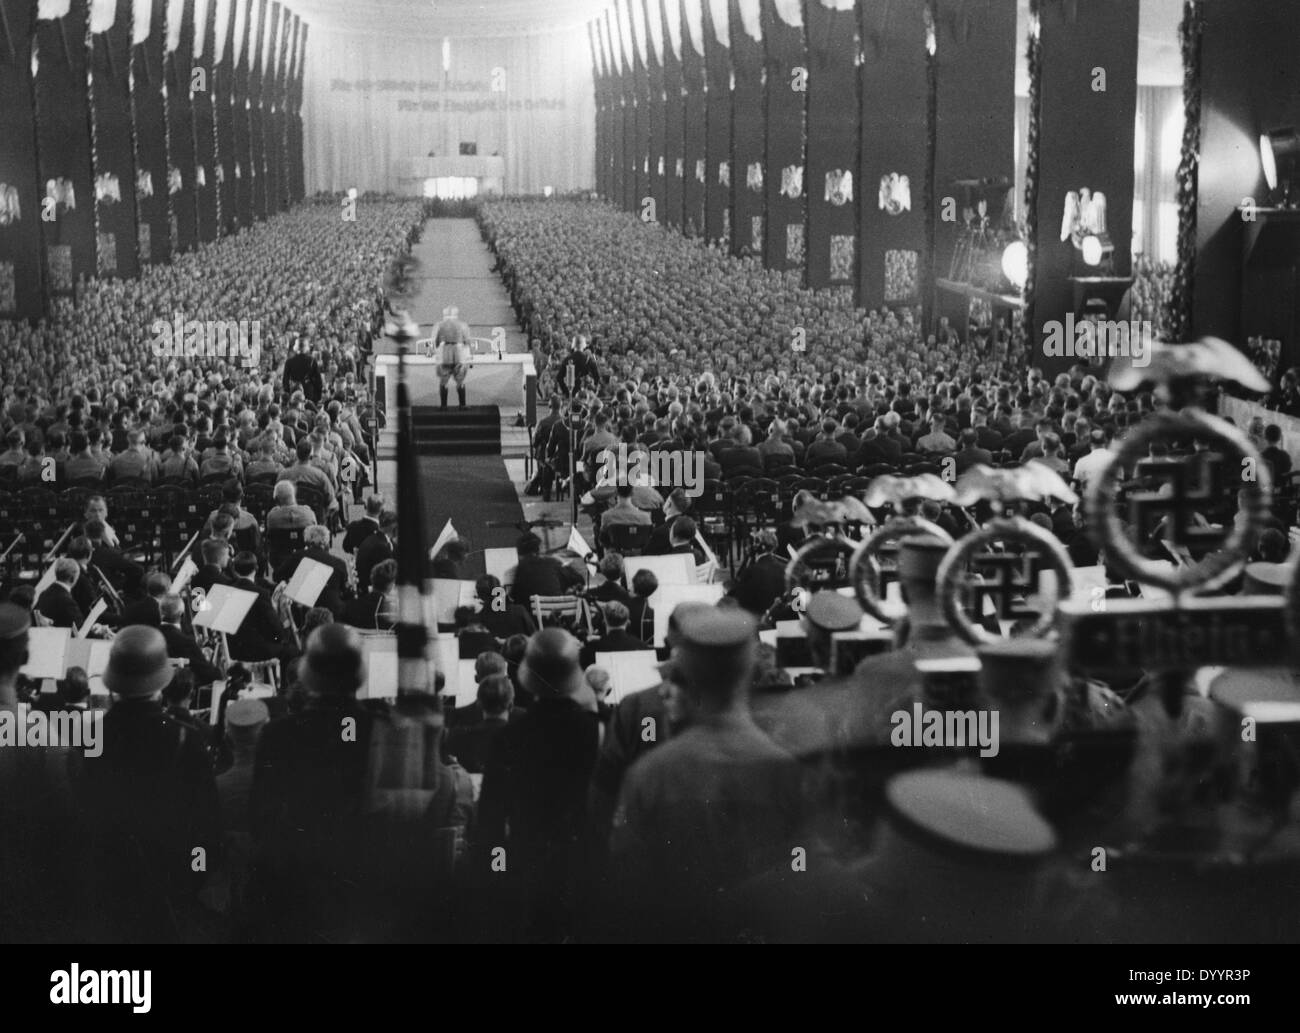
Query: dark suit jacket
point(143, 611)
point(620, 640)
point(373, 551)
point(126, 575)
point(760, 584)
point(56, 604)
point(969, 457)
point(987, 437)
point(361, 612)
point(181, 647)
point(542, 575)
point(471, 743)
point(625, 741)
point(208, 576)
point(261, 634)
point(332, 595)
point(358, 531)
point(514, 620)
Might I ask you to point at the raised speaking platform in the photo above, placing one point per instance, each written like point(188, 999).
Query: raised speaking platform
point(451, 177)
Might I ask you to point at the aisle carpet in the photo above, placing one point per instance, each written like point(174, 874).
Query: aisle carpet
point(470, 490)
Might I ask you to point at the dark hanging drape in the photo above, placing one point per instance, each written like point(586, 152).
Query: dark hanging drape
point(974, 110)
point(222, 84)
point(786, 184)
point(641, 113)
point(67, 213)
point(717, 143)
point(243, 119)
point(114, 157)
point(180, 136)
point(894, 143)
point(149, 116)
point(21, 292)
point(257, 120)
point(627, 120)
point(660, 170)
point(693, 151)
point(277, 167)
point(598, 90)
point(833, 133)
point(205, 133)
point(673, 123)
point(297, 173)
point(748, 144)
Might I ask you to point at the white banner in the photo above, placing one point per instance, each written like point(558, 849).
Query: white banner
point(200, 27)
point(789, 11)
point(223, 27)
point(720, 10)
point(102, 15)
point(175, 9)
point(655, 28)
point(141, 19)
point(694, 10)
point(751, 19)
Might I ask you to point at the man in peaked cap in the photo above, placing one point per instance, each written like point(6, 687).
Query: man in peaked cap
point(718, 803)
point(828, 612)
point(151, 800)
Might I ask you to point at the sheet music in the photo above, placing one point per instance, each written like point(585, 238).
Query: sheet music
point(674, 569)
point(96, 612)
point(449, 594)
point(501, 563)
point(630, 671)
point(187, 571)
point(226, 609)
point(444, 536)
point(668, 597)
point(308, 581)
point(47, 650)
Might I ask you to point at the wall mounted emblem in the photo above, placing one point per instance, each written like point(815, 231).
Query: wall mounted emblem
point(895, 194)
point(839, 187)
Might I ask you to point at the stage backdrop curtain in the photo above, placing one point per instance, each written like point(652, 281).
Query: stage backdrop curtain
point(895, 95)
point(748, 129)
point(786, 184)
point(717, 143)
point(63, 142)
point(833, 132)
point(205, 131)
point(20, 194)
point(1158, 138)
point(183, 171)
point(372, 101)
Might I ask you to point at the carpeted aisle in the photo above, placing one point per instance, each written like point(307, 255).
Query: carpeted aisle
point(470, 490)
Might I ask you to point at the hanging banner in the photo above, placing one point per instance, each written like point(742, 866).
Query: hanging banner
point(277, 160)
point(785, 103)
point(202, 86)
point(692, 167)
point(114, 157)
point(241, 113)
point(222, 84)
point(893, 155)
point(670, 13)
point(833, 132)
point(640, 109)
point(149, 115)
point(598, 89)
point(627, 94)
point(66, 208)
point(296, 172)
point(21, 190)
point(717, 131)
point(256, 121)
point(182, 169)
point(748, 131)
point(651, 29)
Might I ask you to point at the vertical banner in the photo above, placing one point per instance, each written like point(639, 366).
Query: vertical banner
point(1088, 97)
point(641, 107)
point(296, 172)
point(893, 155)
point(693, 152)
point(631, 200)
point(67, 206)
point(246, 11)
point(114, 157)
point(182, 172)
point(202, 76)
point(222, 84)
point(598, 89)
point(786, 97)
point(652, 35)
point(670, 13)
point(256, 122)
point(748, 131)
point(974, 110)
point(613, 110)
point(280, 168)
point(21, 292)
point(149, 118)
point(833, 133)
point(717, 132)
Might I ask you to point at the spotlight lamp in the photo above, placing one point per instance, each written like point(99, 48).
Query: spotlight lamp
point(1015, 264)
point(1279, 151)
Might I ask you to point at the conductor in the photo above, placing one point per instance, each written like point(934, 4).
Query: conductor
point(451, 340)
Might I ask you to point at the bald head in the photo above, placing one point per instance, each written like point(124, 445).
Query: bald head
point(551, 667)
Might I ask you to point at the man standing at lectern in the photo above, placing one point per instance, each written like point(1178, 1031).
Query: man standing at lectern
point(451, 338)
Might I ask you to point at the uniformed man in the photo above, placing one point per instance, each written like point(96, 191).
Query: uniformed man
point(451, 342)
